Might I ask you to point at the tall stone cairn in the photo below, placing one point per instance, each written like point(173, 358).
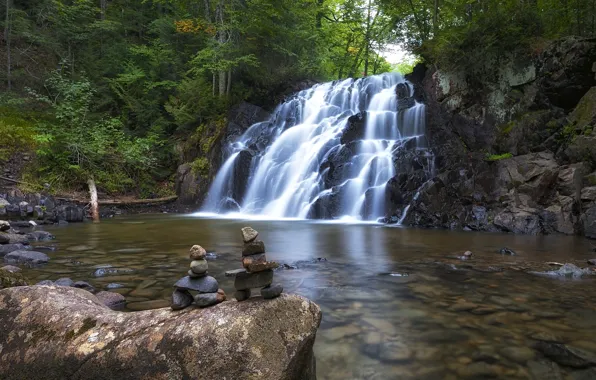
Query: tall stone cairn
point(257, 272)
point(207, 288)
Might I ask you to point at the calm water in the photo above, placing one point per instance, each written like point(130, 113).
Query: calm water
point(395, 304)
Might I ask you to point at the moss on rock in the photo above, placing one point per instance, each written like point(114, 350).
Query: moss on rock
point(9, 279)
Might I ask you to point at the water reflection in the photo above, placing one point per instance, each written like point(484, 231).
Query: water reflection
point(443, 319)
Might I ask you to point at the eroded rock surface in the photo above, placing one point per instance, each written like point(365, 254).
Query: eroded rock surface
point(67, 333)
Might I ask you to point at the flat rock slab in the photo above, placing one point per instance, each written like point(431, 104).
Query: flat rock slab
point(29, 257)
point(253, 280)
point(68, 333)
point(206, 284)
point(259, 267)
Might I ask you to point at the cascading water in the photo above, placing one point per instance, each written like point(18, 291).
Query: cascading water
point(328, 152)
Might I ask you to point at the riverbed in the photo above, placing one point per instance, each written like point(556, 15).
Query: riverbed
point(397, 303)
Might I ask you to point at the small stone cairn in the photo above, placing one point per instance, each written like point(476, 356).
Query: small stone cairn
point(197, 280)
point(257, 272)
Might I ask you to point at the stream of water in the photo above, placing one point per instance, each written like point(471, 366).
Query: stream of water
point(396, 302)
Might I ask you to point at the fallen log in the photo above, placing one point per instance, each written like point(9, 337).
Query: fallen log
point(124, 202)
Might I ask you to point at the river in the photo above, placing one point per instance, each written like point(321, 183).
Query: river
point(397, 302)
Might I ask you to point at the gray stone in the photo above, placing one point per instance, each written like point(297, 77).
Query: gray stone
point(11, 268)
point(180, 299)
point(568, 270)
point(567, 355)
point(10, 238)
point(84, 285)
point(45, 282)
point(234, 272)
point(194, 275)
point(592, 261)
point(231, 340)
point(207, 299)
point(112, 300)
point(249, 234)
point(242, 295)
point(272, 291)
point(253, 280)
point(199, 266)
point(507, 251)
point(253, 248)
point(206, 284)
point(64, 282)
point(107, 271)
point(113, 285)
point(40, 236)
point(30, 257)
point(7, 248)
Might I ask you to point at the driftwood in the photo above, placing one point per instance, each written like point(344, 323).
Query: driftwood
point(125, 202)
point(93, 196)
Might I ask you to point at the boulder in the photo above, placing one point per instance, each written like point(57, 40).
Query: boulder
point(9, 278)
point(112, 300)
point(29, 257)
point(188, 185)
point(69, 333)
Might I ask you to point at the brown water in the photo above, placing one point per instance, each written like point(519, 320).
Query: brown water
point(395, 304)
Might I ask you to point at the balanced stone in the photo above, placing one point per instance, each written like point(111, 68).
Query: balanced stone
point(272, 291)
point(245, 280)
point(253, 248)
point(206, 284)
point(254, 259)
point(197, 252)
point(199, 266)
point(249, 234)
point(234, 272)
point(180, 299)
point(209, 299)
point(195, 275)
point(259, 267)
point(242, 295)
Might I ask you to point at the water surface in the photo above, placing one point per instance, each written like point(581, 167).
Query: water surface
point(396, 302)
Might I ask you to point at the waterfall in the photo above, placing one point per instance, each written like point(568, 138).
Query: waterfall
point(327, 153)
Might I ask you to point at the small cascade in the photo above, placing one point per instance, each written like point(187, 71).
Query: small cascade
point(327, 153)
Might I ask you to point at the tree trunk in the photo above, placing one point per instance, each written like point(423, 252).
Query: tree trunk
point(435, 18)
point(229, 82)
point(103, 5)
point(213, 86)
point(221, 40)
point(94, 204)
point(7, 40)
point(207, 10)
point(367, 38)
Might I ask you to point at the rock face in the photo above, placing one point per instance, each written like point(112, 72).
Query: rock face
point(514, 149)
point(269, 339)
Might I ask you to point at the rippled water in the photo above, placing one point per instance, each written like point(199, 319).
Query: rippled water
point(395, 304)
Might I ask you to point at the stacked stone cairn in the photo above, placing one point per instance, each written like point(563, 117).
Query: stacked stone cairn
point(199, 281)
point(257, 272)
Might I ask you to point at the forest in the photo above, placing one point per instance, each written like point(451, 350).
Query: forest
point(107, 89)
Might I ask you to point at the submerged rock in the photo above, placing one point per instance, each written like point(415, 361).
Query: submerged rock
point(507, 251)
point(568, 270)
point(40, 236)
point(29, 257)
point(7, 248)
point(266, 339)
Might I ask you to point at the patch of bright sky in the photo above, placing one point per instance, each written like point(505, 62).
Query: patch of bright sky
point(395, 54)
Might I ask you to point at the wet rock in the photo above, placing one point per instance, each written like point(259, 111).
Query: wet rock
point(567, 270)
point(567, 355)
point(7, 248)
point(254, 259)
point(112, 300)
point(4, 225)
point(9, 279)
point(108, 271)
point(245, 338)
point(113, 285)
point(518, 354)
point(249, 234)
point(64, 282)
point(84, 285)
point(592, 261)
point(544, 370)
point(253, 248)
point(260, 267)
point(197, 252)
point(29, 257)
point(507, 251)
point(245, 280)
point(45, 282)
point(272, 291)
point(40, 236)
point(180, 299)
point(12, 238)
point(242, 295)
point(11, 268)
point(205, 284)
point(45, 248)
point(234, 272)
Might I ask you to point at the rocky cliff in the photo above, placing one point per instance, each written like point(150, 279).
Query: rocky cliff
point(514, 149)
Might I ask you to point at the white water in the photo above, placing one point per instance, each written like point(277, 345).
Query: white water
point(284, 180)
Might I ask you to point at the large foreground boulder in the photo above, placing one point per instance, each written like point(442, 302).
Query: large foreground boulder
point(65, 333)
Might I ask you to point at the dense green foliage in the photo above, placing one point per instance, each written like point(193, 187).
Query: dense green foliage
point(106, 88)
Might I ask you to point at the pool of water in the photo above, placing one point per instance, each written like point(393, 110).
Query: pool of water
point(396, 302)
